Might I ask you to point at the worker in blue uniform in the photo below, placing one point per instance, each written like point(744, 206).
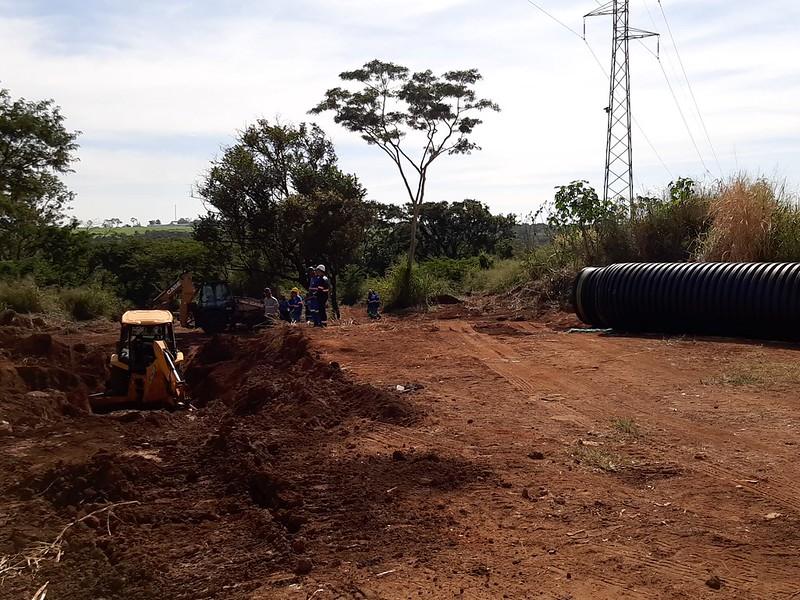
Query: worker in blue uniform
point(295, 305)
point(320, 286)
point(373, 304)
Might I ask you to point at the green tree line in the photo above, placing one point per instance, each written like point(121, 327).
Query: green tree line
point(277, 203)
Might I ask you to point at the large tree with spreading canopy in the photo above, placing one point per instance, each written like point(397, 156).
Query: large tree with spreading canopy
point(393, 109)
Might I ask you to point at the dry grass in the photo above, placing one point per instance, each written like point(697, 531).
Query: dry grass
point(597, 458)
point(30, 559)
point(758, 374)
point(742, 214)
point(626, 426)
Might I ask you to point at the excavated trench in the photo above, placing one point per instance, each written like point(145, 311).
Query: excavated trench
point(238, 488)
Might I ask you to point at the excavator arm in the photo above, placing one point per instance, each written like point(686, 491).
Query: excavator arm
point(183, 285)
point(163, 381)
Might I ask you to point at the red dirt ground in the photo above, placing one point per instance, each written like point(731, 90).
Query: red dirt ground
point(516, 461)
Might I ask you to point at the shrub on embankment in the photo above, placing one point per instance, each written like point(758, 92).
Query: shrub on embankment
point(738, 219)
point(86, 303)
point(79, 303)
point(398, 289)
point(21, 295)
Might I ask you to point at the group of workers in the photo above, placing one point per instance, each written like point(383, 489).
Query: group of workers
point(315, 302)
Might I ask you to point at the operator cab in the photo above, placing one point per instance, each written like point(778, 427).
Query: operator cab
point(140, 328)
point(215, 294)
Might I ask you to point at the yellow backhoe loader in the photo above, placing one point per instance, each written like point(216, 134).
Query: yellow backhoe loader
point(146, 369)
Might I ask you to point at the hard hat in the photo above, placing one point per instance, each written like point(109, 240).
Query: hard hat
point(321, 268)
point(295, 290)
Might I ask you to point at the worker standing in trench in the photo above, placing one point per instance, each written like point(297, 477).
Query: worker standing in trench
point(320, 288)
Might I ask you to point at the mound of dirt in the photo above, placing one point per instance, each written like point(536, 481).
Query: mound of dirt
point(278, 371)
point(264, 483)
point(9, 318)
point(105, 477)
point(43, 378)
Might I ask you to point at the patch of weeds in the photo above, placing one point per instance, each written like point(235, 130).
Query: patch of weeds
point(626, 426)
point(757, 374)
point(598, 458)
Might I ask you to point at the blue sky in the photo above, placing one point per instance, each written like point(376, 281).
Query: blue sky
point(157, 87)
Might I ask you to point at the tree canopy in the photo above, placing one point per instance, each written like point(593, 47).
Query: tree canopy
point(35, 150)
point(278, 201)
point(463, 229)
point(393, 105)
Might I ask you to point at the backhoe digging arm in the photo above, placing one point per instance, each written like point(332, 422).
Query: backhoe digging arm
point(163, 381)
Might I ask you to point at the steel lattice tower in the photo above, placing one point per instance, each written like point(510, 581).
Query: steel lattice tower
point(619, 147)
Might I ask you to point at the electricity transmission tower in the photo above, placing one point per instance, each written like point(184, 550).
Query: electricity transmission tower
point(619, 149)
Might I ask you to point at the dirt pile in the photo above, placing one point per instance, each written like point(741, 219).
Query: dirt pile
point(277, 371)
point(269, 480)
point(43, 378)
point(103, 478)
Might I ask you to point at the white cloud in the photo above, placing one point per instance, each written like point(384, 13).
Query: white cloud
point(158, 87)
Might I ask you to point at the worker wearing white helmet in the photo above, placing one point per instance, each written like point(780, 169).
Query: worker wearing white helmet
point(320, 286)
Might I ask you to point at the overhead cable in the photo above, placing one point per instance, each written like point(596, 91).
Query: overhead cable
point(605, 73)
point(554, 18)
point(689, 85)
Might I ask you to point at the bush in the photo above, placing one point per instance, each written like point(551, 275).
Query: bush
point(453, 270)
point(786, 232)
point(667, 229)
point(21, 295)
point(352, 285)
point(501, 276)
point(86, 303)
point(398, 290)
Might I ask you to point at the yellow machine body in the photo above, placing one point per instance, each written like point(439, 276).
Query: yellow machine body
point(146, 369)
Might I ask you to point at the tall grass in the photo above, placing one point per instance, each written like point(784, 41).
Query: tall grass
point(87, 303)
point(745, 216)
point(399, 290)
point(21, 295)
point(80, 304)
point(502, 275)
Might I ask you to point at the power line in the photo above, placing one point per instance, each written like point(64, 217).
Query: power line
point(641, 43)
point(672, 90)
point(619, 139)
point(554, 18)
point(683, 116)
point(605, 74)
point(635, 120)
point(689, 85)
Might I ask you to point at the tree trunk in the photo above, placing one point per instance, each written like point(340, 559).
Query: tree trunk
point(334, 299)
point(412, 247)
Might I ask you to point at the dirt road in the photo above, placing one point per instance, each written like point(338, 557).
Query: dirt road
point(621, 467)
point(516, 460)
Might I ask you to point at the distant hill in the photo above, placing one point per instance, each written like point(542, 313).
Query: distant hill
point(156, 231)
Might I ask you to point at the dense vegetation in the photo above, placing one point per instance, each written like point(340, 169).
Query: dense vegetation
point(278, 203)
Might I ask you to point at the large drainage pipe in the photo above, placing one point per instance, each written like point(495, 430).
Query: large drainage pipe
point(760, 300)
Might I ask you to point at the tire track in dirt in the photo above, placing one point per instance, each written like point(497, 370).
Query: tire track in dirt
point(500, 358)
point(503, 358)
point(738, 571)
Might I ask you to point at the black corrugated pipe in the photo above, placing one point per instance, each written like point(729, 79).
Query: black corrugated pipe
point(759, 300)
